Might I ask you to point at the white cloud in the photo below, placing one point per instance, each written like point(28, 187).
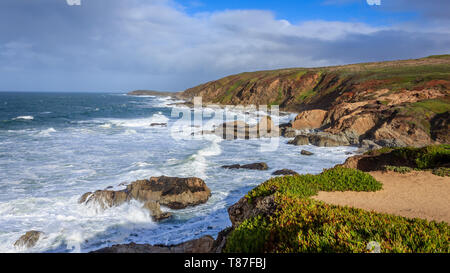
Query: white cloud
point(158, 45)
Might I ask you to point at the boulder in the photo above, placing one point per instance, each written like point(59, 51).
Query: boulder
point(254, 166)
point(29, 239)
point(300, 140)
point(323, 139)
point(305, 152)
point(311, 119)
point(285, 172)
point(202, 245)
point(173, 192)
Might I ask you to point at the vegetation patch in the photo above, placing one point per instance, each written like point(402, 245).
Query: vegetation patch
point(398, 169)
point(302, 186)
point(441, 171)
point(305, 225)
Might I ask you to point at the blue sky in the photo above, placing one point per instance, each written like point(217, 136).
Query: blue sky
point(122, 45)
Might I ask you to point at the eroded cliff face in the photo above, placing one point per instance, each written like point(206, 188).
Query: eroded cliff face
point(406, 102)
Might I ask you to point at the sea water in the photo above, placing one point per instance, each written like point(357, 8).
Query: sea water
point(56, 146)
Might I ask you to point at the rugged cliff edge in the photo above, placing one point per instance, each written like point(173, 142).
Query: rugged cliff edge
point(395, 103)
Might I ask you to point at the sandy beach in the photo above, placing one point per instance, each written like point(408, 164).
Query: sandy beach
point(413, 195)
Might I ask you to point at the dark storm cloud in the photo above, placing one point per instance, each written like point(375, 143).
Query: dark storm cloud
point(123, 45)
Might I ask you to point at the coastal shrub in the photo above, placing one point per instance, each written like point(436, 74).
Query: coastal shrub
point(442, 171)
point(428, 157)
point(398, 169)
point(309, 226)
point(425, 158)
point(302, 186)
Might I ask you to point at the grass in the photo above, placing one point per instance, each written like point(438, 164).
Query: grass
point(300, 224)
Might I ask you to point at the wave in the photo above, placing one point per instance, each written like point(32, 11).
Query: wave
point(24, 118)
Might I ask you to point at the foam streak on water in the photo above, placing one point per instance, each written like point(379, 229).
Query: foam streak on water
point(77, 143)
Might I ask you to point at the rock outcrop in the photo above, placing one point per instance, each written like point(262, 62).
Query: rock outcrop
point(285, 172)
point(202, 245)
point(310, 119)
point(254, 166)
point(29, 239)
point(172, 192)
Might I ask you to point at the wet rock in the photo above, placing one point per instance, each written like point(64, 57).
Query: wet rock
point(305, 152)
point(300, 140)
point(254, 166)
point(155, 211)
point(29, 240)
point(106, 198)
point(173, 192)
point(202, 245)
point(285, 172)
point(158, 124)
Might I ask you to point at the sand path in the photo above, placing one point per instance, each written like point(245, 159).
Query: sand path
point(413, 195)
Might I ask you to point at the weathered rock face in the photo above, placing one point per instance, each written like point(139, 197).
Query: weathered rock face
point(285, 172)
point(29, 240)
point(311, 119)
point(254, 166)
point(243, 210)
point(173, 192)
point(202, 245)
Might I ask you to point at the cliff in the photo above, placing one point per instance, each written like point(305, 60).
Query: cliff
point(397, 103)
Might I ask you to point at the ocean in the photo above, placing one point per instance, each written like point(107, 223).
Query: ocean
point(56, 146)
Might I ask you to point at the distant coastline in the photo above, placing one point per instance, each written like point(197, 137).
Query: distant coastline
point(153, 93)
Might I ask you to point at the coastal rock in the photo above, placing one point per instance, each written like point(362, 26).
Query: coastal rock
point(300, 140)
point(105, 199)
point(285, 172)
point(254, 166)
point(404, 131)
point(29, 239)
point(155, 211)
point(158, 124)
point(173, 192)
point(307, 153)
point(203, 245)
point(323, 139)
point(241, 130)
point(311, 119)
point(243, 210)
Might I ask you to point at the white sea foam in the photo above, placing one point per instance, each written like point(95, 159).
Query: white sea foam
point(24, 118)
